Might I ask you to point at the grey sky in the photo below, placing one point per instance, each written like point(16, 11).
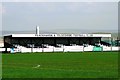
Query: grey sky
point(50, 16)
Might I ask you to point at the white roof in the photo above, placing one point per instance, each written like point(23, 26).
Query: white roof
point(61, 35)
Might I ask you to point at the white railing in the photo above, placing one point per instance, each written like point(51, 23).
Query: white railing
point(62, 48)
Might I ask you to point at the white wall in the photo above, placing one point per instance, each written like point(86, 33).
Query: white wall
point(23, 50)
point(115, 48)
point(89, 48)
point(2, 49)
point(8, 49)
point(47, 49)
point(73, 48)
point(37, 49)
point(58, 49)
point(105, 48)
point(61, 49)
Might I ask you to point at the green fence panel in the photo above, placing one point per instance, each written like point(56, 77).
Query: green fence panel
point(97, 48)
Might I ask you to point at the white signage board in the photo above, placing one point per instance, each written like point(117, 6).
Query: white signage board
point(61, 35)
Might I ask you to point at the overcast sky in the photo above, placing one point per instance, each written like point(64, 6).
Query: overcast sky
point(50, 16)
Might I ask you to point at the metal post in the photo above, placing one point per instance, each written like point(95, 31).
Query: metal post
point(42, 48)
point(43, 45)
point(83, 47)
point(53, 48)
point(63, 48)
point(111, 43)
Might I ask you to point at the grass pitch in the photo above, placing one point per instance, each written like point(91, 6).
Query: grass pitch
point(61, 65)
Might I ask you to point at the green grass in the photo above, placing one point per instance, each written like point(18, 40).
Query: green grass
point(61, 65)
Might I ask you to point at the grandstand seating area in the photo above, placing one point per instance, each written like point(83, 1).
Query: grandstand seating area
point(57, 43)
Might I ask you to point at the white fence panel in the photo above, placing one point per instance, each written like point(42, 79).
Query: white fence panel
point(8, 49)
point(24, 50)
point(2, 49)
point(106, 48)
point(115, 48)
point(88, 48)
point(58, 49)
point(37, 49)
point(73, 48)
point(47, 49)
